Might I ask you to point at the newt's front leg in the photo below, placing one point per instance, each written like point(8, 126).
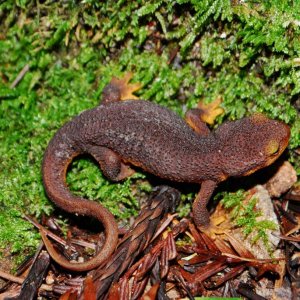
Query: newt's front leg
point(200, 212)
point(197, 119)
point(203, 221)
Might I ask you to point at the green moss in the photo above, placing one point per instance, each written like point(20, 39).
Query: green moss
point(181, 51)
point(15, 231)
point(244, 215)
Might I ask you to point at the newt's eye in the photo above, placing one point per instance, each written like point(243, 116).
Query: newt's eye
point(272, 147)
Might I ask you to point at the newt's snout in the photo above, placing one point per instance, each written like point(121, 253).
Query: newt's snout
point(278, 142)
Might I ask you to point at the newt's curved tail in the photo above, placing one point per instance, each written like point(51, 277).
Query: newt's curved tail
point(58, 156)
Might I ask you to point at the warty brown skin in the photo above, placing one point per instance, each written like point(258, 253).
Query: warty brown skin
point(144, 134)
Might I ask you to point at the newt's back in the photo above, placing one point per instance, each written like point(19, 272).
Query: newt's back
point(144, 134)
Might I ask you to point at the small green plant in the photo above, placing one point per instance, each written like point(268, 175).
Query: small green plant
point(244, 215)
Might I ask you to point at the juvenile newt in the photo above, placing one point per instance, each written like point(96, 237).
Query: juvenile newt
point(143, 134)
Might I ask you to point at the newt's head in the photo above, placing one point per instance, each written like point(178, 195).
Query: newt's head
point(250, 144)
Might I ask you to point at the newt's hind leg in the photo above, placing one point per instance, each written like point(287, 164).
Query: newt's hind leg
point(111, 164)
point(120, 89)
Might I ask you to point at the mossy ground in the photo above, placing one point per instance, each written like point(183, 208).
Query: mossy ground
point(181, 51)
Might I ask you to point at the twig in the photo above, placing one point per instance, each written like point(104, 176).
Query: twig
point(255, 260)
point(49, 233)
point(20, 76)
point(20, 280)
point(163, 226)
point(10, 277)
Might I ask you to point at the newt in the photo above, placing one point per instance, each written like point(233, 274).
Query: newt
point(139, 133)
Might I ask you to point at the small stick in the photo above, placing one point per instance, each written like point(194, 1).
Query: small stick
point(10, 277)
point(20, 76)
point(49, 233)
point(20, 280)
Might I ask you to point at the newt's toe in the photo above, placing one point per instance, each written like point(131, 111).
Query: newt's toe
point(210, 111)
point(126, 89)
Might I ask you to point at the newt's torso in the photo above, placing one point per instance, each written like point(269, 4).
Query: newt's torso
point(145, 135)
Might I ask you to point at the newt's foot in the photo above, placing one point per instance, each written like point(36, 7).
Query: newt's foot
point(125, 172)
point(214, 227)
point(209, 112)
point(211, 230)
point(126, 89)
point(120, 89)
